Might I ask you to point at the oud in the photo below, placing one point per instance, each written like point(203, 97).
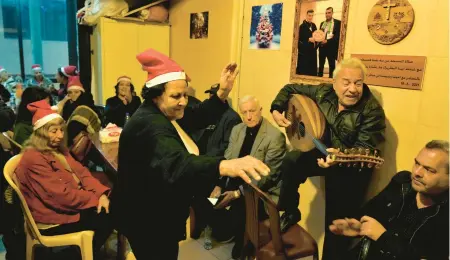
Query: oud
point(308, 127)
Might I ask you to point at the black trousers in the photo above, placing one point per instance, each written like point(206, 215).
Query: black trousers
point(152, 246)
point(331, 56)
point(344, 193)
point(101, 224)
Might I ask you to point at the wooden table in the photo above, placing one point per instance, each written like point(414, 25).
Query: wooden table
point(109, 153)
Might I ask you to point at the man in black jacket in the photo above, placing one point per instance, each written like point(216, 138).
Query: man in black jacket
point(329, 47)
point(354, 119)
point(409, 218)
point(216, 136)
point(307, 47)
point(213, 141)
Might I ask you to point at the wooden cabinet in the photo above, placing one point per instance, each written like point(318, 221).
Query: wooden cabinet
point(115, 44)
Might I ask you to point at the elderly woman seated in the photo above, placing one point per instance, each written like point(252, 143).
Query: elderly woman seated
point(124, 102)
point(62, 195)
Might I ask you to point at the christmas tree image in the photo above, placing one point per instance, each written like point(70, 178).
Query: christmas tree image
point(265, 28)
point(264, 31)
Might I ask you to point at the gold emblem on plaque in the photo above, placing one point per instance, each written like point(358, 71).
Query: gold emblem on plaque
point(390, 21)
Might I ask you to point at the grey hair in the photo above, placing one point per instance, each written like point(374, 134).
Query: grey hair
point(438, 145)
point(249, 98)
point(352, 63)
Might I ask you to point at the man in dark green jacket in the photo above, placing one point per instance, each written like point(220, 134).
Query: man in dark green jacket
point(354, 119)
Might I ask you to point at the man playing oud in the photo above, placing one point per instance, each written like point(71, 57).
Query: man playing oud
point(354, 119)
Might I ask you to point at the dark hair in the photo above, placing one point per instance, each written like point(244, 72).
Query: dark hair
point(155, 91)
point(30, 95)
point(85, 99)
point(62, 74)
point(117, 88)
point(330, 8)
point(439, 145)
point(310, 11)
point(4, 94)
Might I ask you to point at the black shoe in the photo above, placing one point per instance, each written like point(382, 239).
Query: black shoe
point(288, 219)
point(237, 250)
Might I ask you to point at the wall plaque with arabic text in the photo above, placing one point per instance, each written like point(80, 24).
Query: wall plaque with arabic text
point(394, 71)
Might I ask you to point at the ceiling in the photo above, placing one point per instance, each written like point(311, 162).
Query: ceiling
point(133, 4)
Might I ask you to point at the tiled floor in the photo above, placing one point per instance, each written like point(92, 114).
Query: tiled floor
point(192, 249)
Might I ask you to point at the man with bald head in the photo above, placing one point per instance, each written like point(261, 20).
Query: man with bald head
point(260, 139)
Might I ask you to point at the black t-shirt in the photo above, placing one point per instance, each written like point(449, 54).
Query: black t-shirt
point(249, 139)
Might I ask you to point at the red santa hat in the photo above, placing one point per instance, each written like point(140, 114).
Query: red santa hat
point(123, 78)
point(74, 83)
point(2, 69)
point(42, 113)
point(36, 67)
point(160, 68)
point(69, 71)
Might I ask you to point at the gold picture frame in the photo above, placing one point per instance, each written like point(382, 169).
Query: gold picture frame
point(301, 9)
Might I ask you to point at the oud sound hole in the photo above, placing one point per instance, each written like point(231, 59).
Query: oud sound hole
point(301, 129)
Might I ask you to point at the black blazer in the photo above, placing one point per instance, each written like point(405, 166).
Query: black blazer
point(157, 174)
point(333, 43)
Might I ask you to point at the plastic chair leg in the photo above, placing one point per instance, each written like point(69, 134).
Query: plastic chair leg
point(30, 247)
point(86, 249)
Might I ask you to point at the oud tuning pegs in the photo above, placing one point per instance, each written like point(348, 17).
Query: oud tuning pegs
point(375, 153)
point(346, 151)
point(369, 165)
point(341, 164)
point(362, 165)
point(360, 150)
point(349, 165)
point(355, 165)
point(367, 152)
point(353, 151)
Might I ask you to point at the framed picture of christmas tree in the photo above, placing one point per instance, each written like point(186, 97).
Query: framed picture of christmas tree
point(265, 29)
point(320, 28)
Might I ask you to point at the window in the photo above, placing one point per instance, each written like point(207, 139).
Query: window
point(37, 31)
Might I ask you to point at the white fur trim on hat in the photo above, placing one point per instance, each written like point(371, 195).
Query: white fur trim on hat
point(37, 69)
point(64, 72)
point(2, 69)
point(76, 87)
point(171, 76)
point(41, 122)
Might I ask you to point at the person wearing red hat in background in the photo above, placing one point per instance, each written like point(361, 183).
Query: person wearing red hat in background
point(124, 102)
point(38, 79)
point(159, 166)
point(62, 77)
point(62, 194)
point(78, 110)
